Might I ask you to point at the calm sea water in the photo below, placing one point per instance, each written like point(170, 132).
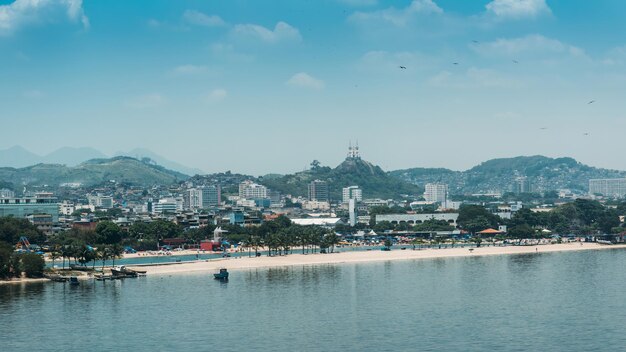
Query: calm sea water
point(537, 302)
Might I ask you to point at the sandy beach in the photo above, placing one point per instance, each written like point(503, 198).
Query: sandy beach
point(362, 257)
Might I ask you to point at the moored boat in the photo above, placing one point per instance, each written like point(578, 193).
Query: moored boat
point(222, 275)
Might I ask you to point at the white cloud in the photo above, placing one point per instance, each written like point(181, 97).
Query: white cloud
point(21, 13)
point(304, 80)
point(190, 70)
point(517, 9)
point(282, 32)
point(200, 19)
point(531, 45)
point(147, 101)
point(399, 17)
point(216, 95)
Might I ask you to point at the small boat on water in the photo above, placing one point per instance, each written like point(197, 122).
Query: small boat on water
point(74, 281)
point(222, 275)
point(123, 272)
point(56, 278)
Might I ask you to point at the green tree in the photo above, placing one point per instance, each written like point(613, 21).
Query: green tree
point(108, 233)
point(521, 231)
point(472, 215)
point(6, 252)
point(32, 264)
point(11, 229)
point(608, 220)
point(476, 224)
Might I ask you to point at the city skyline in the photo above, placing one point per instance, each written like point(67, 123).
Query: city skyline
point(255, 88)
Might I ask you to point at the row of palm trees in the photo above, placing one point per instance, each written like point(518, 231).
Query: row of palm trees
point(282, 242)
point(83, 254)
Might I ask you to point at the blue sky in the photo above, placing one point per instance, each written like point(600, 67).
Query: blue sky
point(268, 86)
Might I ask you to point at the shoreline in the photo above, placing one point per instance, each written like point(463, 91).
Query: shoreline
point(244, 263)
point(349, 257)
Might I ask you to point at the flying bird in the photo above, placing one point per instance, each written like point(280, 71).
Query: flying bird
point(585, 134)
point(591, 102)
point(515, 62)
point(455, 63)
point(475, 41)
point(402, 67)
point(543, 128)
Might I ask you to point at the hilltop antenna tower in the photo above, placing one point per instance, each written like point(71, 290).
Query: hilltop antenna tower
point(353, 151)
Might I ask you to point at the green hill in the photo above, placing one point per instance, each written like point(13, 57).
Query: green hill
point(544, 174)
point(374, 182)
point(121, 169)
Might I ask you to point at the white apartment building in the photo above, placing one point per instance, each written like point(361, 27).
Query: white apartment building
point(436, 192)
point(352, 192)
point(609, 187)
point(251, 190)
point(100, 201)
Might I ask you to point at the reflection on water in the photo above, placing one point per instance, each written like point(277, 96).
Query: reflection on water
point(560, 302)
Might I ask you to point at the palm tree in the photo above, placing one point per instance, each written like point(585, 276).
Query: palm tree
point(66, 252)
point(103, 254)
point(388, 243)
point(54, 255)
point(115, 252)
point(332, 240)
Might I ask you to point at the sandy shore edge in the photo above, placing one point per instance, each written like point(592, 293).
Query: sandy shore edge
point(235, 263)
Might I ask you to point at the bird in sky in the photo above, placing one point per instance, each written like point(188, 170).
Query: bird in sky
point(475, 41)
point(455, 63)
point(591, 102)
point(515, 62)
point(586, 133)
point(402, 67)
point(543, 128)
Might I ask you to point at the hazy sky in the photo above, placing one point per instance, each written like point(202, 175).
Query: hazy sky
point(268, 86)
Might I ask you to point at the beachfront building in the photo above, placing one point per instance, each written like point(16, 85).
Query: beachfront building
point(436, 193)
point(352, 192)
point(609, 187)
point(413, 219)
point(251, 190)
point(318, 191)
point(28, 206)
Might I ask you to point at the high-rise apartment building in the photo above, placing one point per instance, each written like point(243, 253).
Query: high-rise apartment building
point(436, 192)
point(352, 192)
point(318, 191)
point(251, 190)
point(202, 197)
point(609, 187)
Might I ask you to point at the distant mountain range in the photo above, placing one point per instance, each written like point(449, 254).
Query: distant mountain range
point(146, 168)
point(121, 169)
point(19, 157)
point(499, 175)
